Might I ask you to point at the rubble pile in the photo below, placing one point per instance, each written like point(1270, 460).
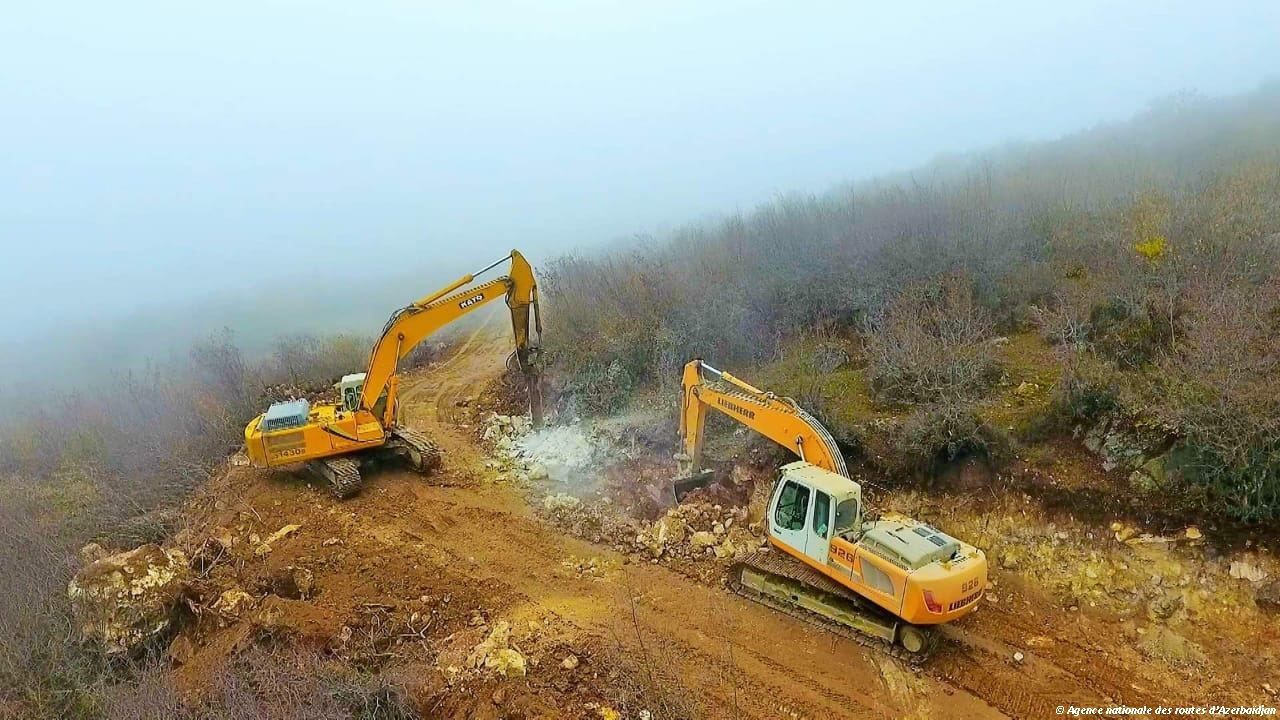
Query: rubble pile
point(594, 521)
point(700, 530)
point(694, 531)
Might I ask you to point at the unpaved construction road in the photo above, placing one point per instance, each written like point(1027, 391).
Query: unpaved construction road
point(699, 649)
point(732, 657)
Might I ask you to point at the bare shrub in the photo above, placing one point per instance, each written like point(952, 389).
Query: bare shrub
point(313, 363)
point(940, 433)
point(264, 685)
point(151, 696)
point(1087, 390)
point(1218, 391)
point(42, 672)
point(219, 369)
point(929, 344)
point(112, 463)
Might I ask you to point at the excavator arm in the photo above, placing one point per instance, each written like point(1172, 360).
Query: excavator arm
point(413, 323)
point(777, 418)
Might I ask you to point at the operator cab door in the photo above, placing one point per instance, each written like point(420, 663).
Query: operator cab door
point(789, 514)
point(818, 543)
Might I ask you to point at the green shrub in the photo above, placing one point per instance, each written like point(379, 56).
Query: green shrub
point(1129, 336)
point(601, 390)
point(941, 433)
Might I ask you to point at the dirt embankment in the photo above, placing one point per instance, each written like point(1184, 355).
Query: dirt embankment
point(466, 584)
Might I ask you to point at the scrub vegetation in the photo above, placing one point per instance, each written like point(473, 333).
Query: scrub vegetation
point(110, 464)
point(1145, 255)
point(1122, 280)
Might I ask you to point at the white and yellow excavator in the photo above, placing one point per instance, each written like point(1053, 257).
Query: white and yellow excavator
point(887, 580)
point(334, 440)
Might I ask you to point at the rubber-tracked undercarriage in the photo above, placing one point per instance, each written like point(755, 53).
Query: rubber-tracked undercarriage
point(786, 585)
point(343, 473)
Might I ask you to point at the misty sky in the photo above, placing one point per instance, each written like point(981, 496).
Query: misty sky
point(169, 150)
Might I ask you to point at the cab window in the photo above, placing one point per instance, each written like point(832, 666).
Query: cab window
point(821, 514)
point(847, 516)
point(792, 505)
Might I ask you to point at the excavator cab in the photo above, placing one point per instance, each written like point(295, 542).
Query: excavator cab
point(811, 507)
point(349, 389)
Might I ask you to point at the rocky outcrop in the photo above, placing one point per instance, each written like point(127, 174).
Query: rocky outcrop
point(1129, 445)
point(123, 600)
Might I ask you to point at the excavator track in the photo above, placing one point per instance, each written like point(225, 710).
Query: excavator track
point(417, 449)
point(341, 473)
point(786, 585)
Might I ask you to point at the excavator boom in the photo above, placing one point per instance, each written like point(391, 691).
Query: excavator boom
point(778, 418)
point(413, 323)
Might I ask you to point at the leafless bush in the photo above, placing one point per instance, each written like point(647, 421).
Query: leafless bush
point(929, 344)
point(264, 685)
point(151, 696)
point(112, 463)
point(308, 361)
point(219, 369)
point(1218, 391)
point(42, 672)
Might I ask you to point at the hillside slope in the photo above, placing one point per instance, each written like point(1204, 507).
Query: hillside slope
point(411, 576)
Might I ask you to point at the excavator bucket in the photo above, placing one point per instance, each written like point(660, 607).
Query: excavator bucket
point(684, 485)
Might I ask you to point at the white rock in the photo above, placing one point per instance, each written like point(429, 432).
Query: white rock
point(726, 549)
point(560, 502)
point(1246, 570)
point(702, 539)
point(122, 600)
point(505, 662)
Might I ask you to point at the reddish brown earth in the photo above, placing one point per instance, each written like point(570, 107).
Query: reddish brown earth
point(410, 575)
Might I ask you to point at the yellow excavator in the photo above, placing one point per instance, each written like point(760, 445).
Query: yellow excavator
point(884, 581)
point(334, 440)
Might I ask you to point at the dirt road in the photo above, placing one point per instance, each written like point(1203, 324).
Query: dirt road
point(736, 658)
point(732, 658)
point(470, 551)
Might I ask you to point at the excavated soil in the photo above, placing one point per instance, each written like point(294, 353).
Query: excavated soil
point(413, 574)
